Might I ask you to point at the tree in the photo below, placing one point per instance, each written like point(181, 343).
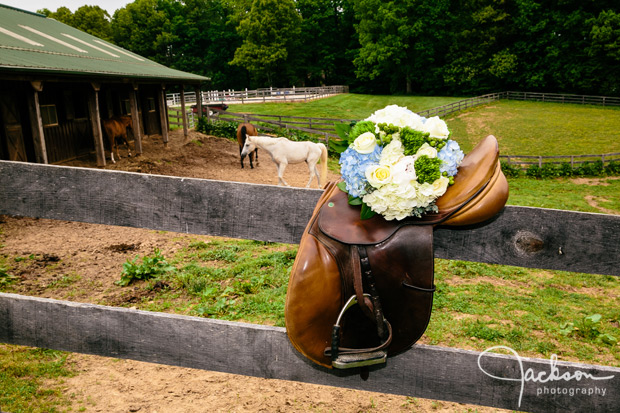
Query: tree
point(90, 19)
point(144, 28)
point(270, 33)
point(327, 35)
point(402, 42)
point(205, 41)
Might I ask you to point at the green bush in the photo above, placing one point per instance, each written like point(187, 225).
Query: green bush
point(590, 169)
point(613, 168)
point(533, 171)
point(549, 170)
point(150, 267)
point(566, 169)
point(220, 128)
point(510, 170)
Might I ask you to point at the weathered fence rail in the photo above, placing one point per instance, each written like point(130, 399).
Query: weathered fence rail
point(562, 98)
point(524, 161)
point(527, 237)
point(259, 95)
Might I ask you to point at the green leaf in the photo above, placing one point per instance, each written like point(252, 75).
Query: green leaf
point(343, 129)
point(608, 339)
point(338, 145)
point(342, 186)
point(353, 200)
point(367, 212)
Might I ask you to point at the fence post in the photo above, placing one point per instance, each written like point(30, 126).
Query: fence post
point(540, 161)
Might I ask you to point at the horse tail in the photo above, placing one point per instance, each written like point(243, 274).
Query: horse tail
point(323, 162)
point(241, 136)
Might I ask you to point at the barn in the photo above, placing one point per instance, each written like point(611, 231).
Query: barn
point(58, 83)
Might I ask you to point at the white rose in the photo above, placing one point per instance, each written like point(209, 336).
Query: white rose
point(440, 186)
point(427, 150)
point(378, 175)
point(404, 170)
point(436, 127)
point(365, 143)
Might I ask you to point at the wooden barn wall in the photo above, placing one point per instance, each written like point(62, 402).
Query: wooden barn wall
point(150, 114)
point(72, 136)
point(15, 133)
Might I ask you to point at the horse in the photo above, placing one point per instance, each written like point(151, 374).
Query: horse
point(116, 127)
point(284, 151)
point(242, 130)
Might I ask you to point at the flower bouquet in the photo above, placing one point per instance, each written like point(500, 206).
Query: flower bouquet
point(397, 163)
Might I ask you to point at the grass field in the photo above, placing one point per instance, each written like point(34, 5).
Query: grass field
point(345, 106)
point(522, 128)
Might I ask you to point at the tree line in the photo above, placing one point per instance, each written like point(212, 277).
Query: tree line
point(449, 47)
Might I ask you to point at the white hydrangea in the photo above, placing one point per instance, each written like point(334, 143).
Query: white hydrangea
point(392, 153)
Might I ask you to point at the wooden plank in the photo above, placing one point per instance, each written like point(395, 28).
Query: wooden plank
point(95, 122)
point(520, 236)
point(135, 120)
point(163, 114)
point(262, 351)
point(36, 125)
point(183, 115)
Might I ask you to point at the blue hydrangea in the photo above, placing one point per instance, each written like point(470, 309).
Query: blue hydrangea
point(451, 155)
point(352, 167)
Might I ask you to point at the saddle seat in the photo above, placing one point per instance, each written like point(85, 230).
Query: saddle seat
point(385, 267)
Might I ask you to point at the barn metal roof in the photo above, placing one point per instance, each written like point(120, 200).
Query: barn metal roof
point(33, 43)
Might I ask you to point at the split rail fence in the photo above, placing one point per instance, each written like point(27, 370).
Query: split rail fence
point(519, 236)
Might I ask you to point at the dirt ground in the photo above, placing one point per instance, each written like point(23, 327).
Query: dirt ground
point(80, 262)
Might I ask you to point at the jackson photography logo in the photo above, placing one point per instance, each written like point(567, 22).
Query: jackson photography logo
point(547, 380)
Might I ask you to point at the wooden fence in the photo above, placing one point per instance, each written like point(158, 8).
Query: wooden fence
point(562, 98)
point(524, 161)
point(259, 95)
point(520, 236)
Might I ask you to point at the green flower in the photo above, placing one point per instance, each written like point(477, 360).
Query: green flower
point(412, 140)
point(427, 169)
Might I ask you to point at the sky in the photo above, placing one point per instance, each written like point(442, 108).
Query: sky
point(33, 5)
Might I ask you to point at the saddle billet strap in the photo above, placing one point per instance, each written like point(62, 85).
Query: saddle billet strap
point(366, 303)
point(372, 289)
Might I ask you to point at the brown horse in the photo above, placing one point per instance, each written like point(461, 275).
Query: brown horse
point(242, 130)
point(116, 127)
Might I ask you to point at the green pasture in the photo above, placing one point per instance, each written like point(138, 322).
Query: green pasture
point(522, 128)
point(536, 312)
point(345, 106)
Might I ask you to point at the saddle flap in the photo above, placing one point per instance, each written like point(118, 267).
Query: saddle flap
point(342, 222)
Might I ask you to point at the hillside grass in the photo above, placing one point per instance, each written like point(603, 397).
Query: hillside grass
point(522, 128)
point(345, 106)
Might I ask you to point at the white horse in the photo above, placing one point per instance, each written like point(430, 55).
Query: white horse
point(284, 151)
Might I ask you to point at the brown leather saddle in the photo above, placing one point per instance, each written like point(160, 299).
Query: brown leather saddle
point(361, 290)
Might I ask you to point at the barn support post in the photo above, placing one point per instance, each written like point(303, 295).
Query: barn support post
point(163, 114)
point(36, 123)
point(183, 114)
point(95, 121)
point(135, 120)
point(198, 101)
